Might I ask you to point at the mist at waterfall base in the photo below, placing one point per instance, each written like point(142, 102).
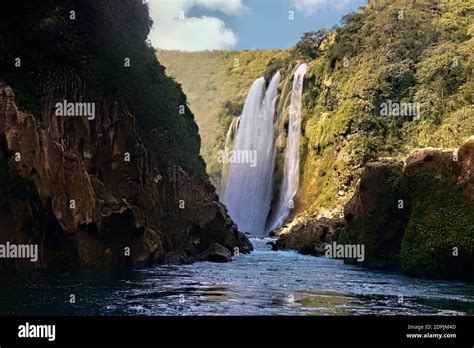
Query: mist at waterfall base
point(247, 190)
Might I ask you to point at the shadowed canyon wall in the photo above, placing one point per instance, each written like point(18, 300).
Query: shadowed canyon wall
point(125, 188)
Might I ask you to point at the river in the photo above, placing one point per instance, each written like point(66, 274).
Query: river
point(263, 283)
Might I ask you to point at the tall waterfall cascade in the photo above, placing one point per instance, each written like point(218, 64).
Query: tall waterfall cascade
point(247, 172)
point(291, 177)
point(247, 192)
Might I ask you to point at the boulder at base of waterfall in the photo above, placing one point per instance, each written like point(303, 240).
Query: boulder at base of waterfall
point(216, 253)
point(309, 237)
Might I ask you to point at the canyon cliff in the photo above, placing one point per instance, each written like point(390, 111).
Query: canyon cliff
point(126, 188)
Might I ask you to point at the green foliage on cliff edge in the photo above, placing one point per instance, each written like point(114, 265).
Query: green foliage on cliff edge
point(94, 46)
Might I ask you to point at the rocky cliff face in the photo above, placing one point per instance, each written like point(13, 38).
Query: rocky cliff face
point(414, 216)
point(126, 187)
point(88, 193)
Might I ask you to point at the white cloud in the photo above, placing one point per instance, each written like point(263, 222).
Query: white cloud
point(311, 6)
point(229, 7)
point(174, 30)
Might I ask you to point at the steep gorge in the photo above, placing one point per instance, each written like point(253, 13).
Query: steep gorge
point(389, 52)
point(125, 188)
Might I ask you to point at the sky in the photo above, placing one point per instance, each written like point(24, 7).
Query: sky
point(195, 25)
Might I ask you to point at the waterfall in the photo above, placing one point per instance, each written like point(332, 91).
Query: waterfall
point(229, 139)
point(291, 176)
point(248, 190)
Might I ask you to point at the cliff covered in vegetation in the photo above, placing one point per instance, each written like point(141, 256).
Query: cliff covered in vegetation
point(126, 184)
point(416, 52)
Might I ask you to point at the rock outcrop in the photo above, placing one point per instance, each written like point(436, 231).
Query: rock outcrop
point(373, 212)
point(418, 217)
point(88, 193)
point(414, 216)
point(217, 253)
point(309, 236)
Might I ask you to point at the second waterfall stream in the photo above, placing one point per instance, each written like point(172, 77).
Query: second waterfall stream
point(247, 185)
point(291, 177)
